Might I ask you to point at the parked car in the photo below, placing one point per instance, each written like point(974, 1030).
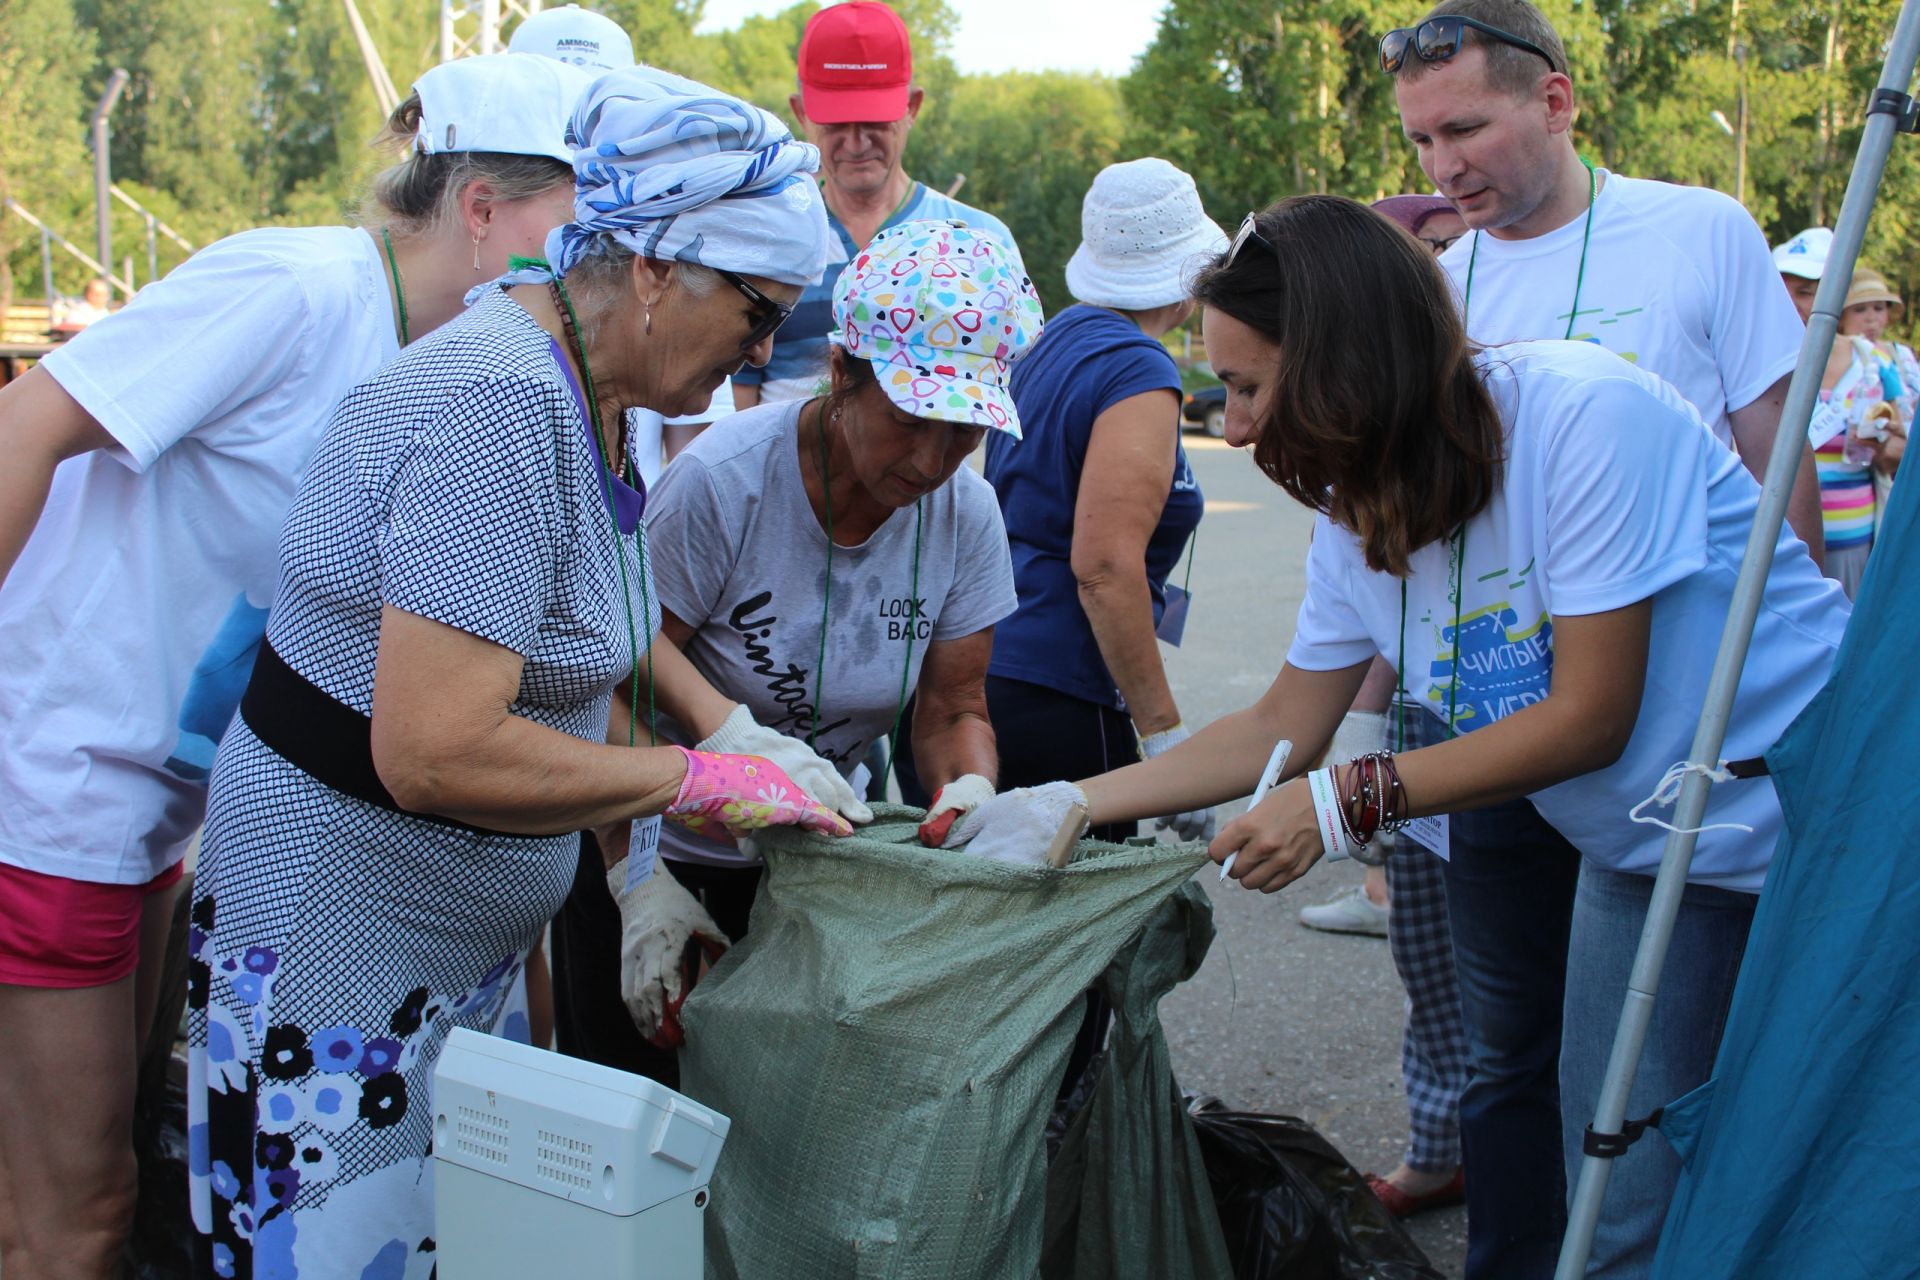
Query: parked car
point(1207, 407)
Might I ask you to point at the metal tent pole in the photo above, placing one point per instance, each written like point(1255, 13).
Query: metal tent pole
point(1890, 111)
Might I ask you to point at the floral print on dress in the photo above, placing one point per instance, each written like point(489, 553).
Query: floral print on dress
point(276, 1109)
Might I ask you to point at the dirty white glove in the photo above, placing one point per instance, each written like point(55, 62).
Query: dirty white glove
point(1362, 733)
point(951, 803)
point(658, 918)
point(1017, 826)
point(1194, 824)
point(741, 735)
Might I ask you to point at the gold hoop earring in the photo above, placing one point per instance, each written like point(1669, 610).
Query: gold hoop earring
point(647, 315)
point(476, 253)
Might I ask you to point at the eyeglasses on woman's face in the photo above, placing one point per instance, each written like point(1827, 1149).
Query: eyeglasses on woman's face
point(1438, 39)
point(767, 315)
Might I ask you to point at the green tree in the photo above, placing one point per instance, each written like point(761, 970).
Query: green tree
point(1031, 147)
point(44, 59)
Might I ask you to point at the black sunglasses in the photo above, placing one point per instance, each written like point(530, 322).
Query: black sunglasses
point(768, 315)
point(1438, 39)
point(1249, 233)
point(1439, 244)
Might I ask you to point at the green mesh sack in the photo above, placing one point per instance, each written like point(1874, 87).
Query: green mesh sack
point(1127, 1193)
point(888, 1040)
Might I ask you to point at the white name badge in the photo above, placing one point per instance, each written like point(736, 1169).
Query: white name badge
point(1429, 833)
point(643, 850)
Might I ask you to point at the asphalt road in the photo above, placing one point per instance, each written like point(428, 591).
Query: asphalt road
point(1281, 1018)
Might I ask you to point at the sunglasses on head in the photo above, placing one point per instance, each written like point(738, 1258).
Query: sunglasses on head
point(1249, 234)
point(1438, 39)
point(768, 315)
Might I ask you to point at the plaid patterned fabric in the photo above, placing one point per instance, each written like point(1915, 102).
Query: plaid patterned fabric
point(1433, 1047)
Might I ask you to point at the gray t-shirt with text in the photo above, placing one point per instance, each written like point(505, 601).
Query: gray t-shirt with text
point(738, 554)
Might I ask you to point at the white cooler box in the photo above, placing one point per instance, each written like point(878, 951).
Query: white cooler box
point(547, 1165)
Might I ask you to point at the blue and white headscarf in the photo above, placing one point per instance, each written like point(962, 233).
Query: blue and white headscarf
point(679, 172)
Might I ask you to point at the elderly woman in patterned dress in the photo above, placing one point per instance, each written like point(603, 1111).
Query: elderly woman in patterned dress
point(465, 583)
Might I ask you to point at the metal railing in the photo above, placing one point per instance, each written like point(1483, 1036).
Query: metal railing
point(49, 238)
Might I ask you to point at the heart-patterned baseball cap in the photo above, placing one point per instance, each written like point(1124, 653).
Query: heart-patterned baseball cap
point(941, 310)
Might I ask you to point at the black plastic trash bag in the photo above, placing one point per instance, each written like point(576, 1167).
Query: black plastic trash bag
point(1292, 1207)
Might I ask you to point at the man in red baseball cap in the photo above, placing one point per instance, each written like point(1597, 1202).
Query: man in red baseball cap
point(857, 103)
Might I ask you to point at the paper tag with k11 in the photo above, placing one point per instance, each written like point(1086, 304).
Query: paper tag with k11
point(1173, 619)
point(643, 850)
point(1429, 833)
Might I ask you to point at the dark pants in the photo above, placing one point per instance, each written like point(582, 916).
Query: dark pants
point(1043, 736)
point(590, 1019)
point(1510, 889)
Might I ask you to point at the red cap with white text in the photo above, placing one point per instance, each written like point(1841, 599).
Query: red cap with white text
point(856, 64)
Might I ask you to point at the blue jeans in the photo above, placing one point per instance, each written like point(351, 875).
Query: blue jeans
point(1689, 1013)
point(1510, 892)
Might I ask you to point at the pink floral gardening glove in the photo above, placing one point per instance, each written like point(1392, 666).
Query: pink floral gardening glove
point(746, 793)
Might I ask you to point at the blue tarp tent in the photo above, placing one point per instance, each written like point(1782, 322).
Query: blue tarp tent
point(1803, 1152)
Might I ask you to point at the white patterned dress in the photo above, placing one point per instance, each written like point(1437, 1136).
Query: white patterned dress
point(335, 942)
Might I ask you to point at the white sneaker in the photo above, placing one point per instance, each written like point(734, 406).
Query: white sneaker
point(1351, 912)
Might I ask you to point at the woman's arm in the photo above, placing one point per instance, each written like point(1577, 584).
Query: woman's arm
point(1123, 489)
point(1582, 725)
point(951, 733)
point(41, 426)
point(678, 686)
point(446, 742)
point(1223, 761)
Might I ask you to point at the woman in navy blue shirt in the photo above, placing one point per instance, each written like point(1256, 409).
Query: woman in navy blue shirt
point(1098, 498)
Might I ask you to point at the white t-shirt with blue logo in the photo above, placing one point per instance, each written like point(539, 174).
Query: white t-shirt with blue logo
point(1613, 492)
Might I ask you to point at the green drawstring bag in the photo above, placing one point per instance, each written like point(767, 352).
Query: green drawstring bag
point(888, 1041)
point(1127, 1194)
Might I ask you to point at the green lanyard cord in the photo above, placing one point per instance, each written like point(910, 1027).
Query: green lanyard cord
point(826, 609)
point(1459, 555)
point(603, 456)
point(1580, 274)
point(399, 294)
point(1457, 564)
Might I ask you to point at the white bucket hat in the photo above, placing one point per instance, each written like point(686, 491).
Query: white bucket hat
point(569, 33)
point(1805, 255)
point(1143, 234)
point(499, 102)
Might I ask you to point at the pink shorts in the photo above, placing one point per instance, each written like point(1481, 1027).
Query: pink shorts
point(56, 932)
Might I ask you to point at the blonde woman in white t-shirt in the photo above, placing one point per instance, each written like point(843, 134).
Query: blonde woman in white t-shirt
point(150, 463)
point(1544, 540)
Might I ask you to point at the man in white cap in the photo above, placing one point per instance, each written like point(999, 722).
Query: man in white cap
point(1801, 260)
point(857, 103)
point(568, 33)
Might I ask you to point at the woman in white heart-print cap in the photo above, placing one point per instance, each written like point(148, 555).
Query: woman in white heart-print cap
point(823, 561)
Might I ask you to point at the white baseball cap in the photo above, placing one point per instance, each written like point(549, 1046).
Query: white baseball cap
point(1143, 233)
point(1805, 255)
point(569, 33)
point(499, 102)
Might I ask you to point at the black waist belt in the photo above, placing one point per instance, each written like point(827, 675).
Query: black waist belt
point(321, 736)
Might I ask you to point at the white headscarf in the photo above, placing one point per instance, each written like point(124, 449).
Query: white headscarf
point(680, 172)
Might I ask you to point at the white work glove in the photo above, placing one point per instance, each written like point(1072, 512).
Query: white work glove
point(741, 735)
point(658, 918)
point(1362, 733)
point(1194, 824)
point(1017, 826)
point(951, 803)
